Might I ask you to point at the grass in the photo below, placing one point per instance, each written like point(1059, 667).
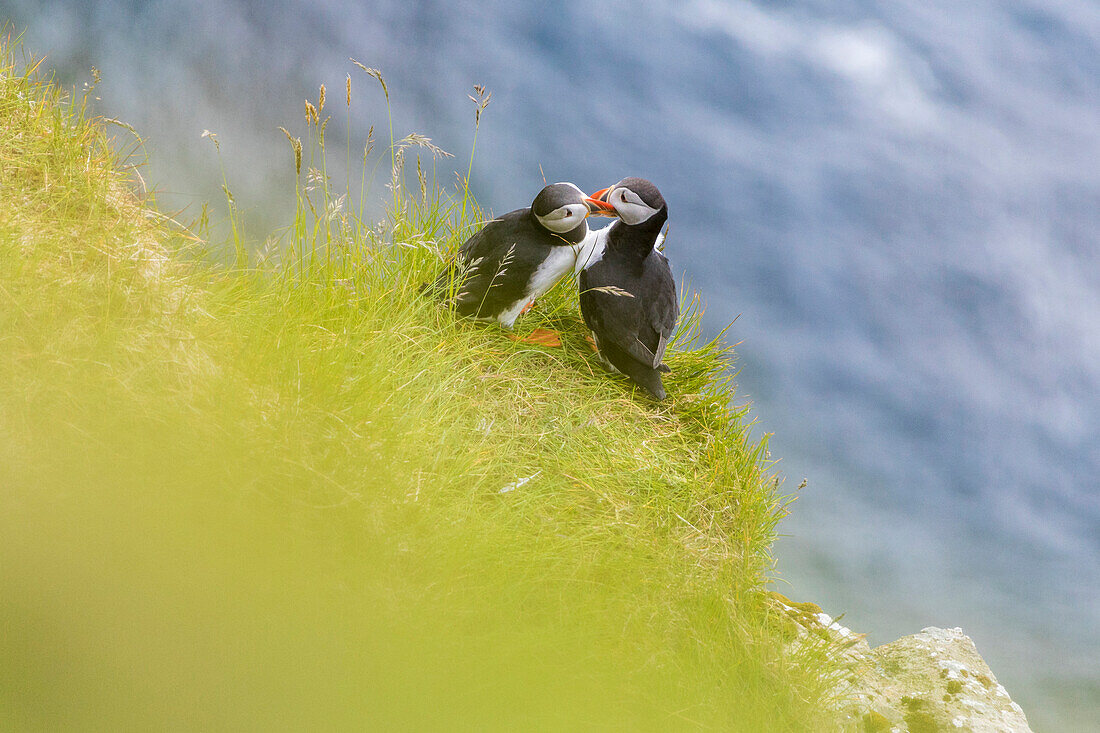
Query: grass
point(291, 493)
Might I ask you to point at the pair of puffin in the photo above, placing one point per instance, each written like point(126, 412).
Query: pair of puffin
point(627, 293)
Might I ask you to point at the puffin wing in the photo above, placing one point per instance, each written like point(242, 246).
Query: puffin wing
point(640, 323)
point(481, 259)
point(660, 309)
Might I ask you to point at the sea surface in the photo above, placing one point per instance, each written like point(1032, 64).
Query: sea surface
point(898, 202)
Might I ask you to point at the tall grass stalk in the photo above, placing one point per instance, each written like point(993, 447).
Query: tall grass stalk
point(237, 238)
point(481, 101)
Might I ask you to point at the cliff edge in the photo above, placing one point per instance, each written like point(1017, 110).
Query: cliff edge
point(922, 683)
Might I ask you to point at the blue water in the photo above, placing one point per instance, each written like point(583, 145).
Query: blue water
point(898, 201)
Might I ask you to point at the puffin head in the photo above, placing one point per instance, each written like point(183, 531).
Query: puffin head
point(561, 208)
point(634, 200)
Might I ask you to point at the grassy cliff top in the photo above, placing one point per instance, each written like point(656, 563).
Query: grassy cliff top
point(293, 493)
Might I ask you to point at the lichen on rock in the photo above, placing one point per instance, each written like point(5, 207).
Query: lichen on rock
point(932, 681)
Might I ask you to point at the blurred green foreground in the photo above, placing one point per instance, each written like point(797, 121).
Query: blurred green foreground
point(292, 496)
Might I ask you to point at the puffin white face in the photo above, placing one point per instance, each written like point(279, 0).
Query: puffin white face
point(564, 218)
point(629, 205)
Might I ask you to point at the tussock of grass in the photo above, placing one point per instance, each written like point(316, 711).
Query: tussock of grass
point(294, 493)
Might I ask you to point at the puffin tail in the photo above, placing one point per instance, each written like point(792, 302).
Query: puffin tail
point(643, 375)
point(647, 378)
point(656, 388)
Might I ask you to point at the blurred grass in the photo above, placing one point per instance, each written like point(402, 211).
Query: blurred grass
point(289, 493)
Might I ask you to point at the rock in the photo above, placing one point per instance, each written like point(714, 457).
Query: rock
point(937, 681)
point(923, 683)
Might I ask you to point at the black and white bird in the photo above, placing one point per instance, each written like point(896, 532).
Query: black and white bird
point(519, 256)
point(627, 293)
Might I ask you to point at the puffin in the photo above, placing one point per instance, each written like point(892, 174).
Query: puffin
point(627, 292)
point(504, 266)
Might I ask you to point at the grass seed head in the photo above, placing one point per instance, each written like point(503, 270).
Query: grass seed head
point(347, 87)
point(311, 113)
point(321, 100)
point(377, 75)
point(296, 144)
point(398, 164)
point(481, 101)
point(370, 143)
point(611, 290)
point(213, 137)
point(415, 138)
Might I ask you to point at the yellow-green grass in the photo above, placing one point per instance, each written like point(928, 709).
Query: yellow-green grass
point(295, 494)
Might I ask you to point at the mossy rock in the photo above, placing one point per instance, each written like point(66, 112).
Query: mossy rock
point(934, 681)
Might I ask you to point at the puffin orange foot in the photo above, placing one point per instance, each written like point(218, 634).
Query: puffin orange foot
point(527, 307)
point(540, 337)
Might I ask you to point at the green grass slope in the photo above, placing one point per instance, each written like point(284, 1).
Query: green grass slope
point(297, 495)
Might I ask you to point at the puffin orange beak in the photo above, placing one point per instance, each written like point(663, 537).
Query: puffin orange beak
point(601, 194)
point(597, 206)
